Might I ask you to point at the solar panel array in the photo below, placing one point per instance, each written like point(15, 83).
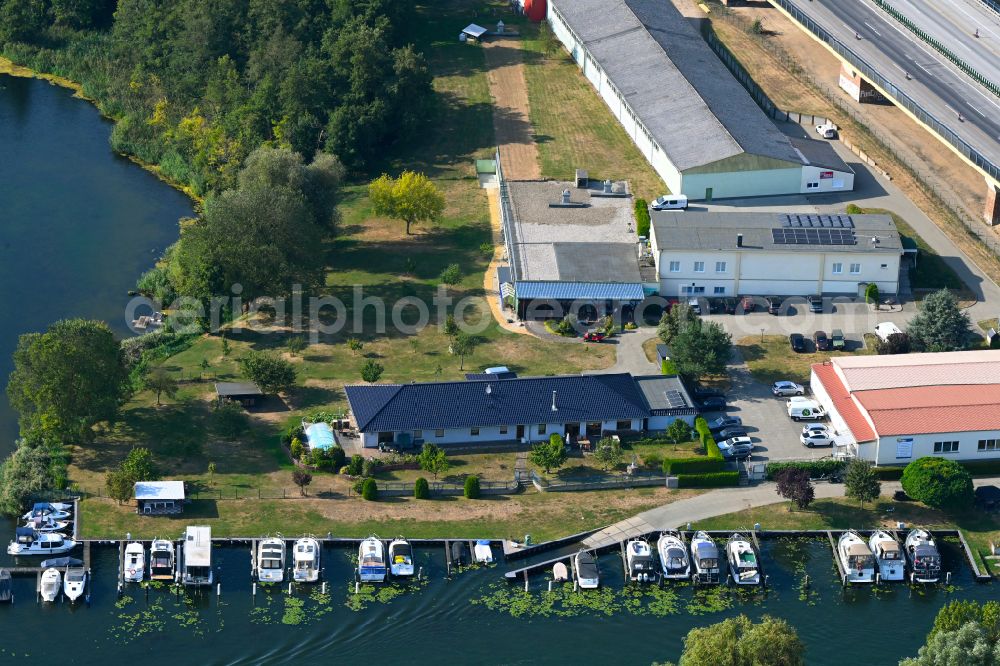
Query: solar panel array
point(817, 221)
point(814, 237)
point(675, 399)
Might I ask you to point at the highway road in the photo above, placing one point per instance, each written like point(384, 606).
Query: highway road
point(934, 82)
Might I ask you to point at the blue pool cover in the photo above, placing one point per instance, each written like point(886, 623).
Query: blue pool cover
point(320, 436)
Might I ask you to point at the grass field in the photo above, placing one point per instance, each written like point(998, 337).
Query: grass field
point(773, 360)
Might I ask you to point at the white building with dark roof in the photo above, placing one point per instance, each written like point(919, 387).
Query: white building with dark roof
point(773, 254)
point(690, 118)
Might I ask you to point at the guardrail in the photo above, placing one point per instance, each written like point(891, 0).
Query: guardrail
point(995, 6)
point(938, 46)
point(901, 98)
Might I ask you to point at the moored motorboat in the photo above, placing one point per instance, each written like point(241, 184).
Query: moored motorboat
point(705, 556)
point(134, 564)
point(856, 558)
point(46, 510)
point(639, 562)
point(6, 586)
point(459, 553)
point(196, 566)
point(482, 552)
point(888, 556)
point(400, 557)
point(50, 585)
point(743, 565)
point(161, 560)
point(587, 574)
point(923, 556)
point(271, 560)
point(673, 556)
point(305, 560)
point(74, 582)
point(371, 561)
point(29, 542)
point(46, 524)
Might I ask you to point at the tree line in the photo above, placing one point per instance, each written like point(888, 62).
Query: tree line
point(197, 85)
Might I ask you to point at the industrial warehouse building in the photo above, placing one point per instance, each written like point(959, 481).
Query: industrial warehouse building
point(774, 254)
point(695, 124)
point(895, 409)
point(518, 410)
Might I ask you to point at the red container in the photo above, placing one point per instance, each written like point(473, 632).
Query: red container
point(535, 10)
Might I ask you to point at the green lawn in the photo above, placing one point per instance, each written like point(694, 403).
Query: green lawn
point(773, 360)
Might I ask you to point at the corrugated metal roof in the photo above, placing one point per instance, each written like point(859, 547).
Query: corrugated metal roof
point(921, 410)
point(569, 291)
point(159, 490)
point(465, 404)
point(237, 388)
point(683, 94)
point(866, 373)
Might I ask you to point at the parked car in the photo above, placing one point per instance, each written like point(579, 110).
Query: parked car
point(713, 404)
point(827, 130)
point(773, 305)
point(837, 339)
point(800, 409)
point(670, 202)
point(816, 303)
point(737, 447)
point(783, 388)
point(695, 305)
point(700, 392)
point(816, 439)
point(822, 342)
point(723, 422)
point(798, 342)
point(815, 427)
point(593, 336)
point(732, 432)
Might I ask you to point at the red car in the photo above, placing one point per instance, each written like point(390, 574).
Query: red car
point(593, 336)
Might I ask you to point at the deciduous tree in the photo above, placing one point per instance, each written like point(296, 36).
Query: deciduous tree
point(939, 483)
point(740, 642)
point(608, 453)
point(550, 454)
point(794, 484)
point(371, 371)
point(302, 479)
point(269, 371)
point(23, 474)
point(411, 198)
point(433, 459)
point(701, 348)
point(159, 381)
point(861, 482)
point(464, 344)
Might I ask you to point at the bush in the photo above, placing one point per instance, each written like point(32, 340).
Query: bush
point(451, 274)
point(487, 250)
point(653, 460)
point(814, 467)
point(295, 431)
point(699, 465)
point(567, 326)
point(421, 489)
point(369, 490)
point(229, 421)
point(939, 483)
point(710, 480)
point(668, 367)
point(296, 448)
point(642, 221)
point(854, 209)
point(370, 466)
point(356, 465)
point(327, 459)
point(472, 487)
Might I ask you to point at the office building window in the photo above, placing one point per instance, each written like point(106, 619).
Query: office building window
point(474, 432)
point(719, 290)
point(855, 269)
point(945, 447)
point(812, 186)
point(989, 445)
point(699, 267)
point(720, 267)
point(675, 267)
point(838, 268)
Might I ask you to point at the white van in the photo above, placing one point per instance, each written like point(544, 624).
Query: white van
point(885, 329)
point(670, 202)
point(803, 408)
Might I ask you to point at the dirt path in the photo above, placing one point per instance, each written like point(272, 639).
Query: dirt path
point(489, 279)
point(511, 122)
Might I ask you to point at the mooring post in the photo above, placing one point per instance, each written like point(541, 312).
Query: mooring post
point(947, 578)
point(357, 587)
point(253, 590)
point(218, 589)
point(323, 587)
point(289, 588)
point(550, 586)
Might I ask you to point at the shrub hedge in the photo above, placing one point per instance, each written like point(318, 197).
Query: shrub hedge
point(889, 473)
point(711, 448)
point(814, 467)
point(668, 367)
point(642, 221)
point(699, 465)
point(421, 489)
point(980, 467)
point(711, 480)
point(472, 487)
point(369, 490)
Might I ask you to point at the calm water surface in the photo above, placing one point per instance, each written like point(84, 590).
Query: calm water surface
point(78, 224)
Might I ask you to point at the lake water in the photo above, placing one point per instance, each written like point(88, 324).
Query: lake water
point(78, 224)
point(447, 622)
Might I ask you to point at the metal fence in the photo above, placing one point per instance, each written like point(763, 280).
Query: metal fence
point(619, 480)
point(402, 488)
point(507, 226)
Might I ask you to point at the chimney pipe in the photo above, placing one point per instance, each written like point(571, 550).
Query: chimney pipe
point(565, 196)
point(739, 240)
point(554, 408)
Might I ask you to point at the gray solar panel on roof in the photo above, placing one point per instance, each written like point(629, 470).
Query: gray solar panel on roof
point(817, 221)
point(675, 399)
point(813, 236)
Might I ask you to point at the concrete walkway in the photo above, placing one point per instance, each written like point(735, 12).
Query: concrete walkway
point(629, 354)
point(716, 503)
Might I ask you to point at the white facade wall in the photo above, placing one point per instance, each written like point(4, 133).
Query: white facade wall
point(886, 452)
point(818, 179)
point(494, 434)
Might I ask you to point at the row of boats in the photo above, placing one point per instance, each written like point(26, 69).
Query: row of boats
point(881, 557)
point(41, 533)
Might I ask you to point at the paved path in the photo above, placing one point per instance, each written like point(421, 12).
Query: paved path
point(716, 503)
point(629, 354)
point(511, 121)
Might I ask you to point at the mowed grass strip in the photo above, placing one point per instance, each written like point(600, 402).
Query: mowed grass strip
point(773, 360)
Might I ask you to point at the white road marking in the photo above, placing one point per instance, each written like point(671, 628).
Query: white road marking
point(976, 110)
point(872, 28)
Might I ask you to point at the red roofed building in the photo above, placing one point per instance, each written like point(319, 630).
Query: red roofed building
point(894, 409)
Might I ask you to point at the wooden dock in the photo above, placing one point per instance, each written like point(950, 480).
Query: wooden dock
point(836, 558)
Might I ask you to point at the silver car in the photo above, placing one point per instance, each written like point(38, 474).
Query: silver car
point(816, 438)
point(737, 447)
point(784, 388)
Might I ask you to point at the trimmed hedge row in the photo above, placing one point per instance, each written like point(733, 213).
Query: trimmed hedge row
point(982, 467)
point(642, 221)
point(814, 467)
point(711, 448)
point(699, 465)
point(712, 480)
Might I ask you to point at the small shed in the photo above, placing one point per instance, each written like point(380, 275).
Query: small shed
point(159, 498)
point(473, 31)
point(245, 393)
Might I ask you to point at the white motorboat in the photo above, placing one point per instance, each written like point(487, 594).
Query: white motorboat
point(74, 582)
point(46, 524)
point(923, 555)
point(587, 574)
point(47, 510)
point(743, 566)
point(51, 584)
point(161, 560)
point(705, 556)
point(371, 561)
point(400, 557)
point(271, 560)
point(888, 556)
point(639, 561)
point(134, 564)
point(856, 558)
point(305, 560)
point(29, 542)
point(673, 556)
point(482, 553)
point(196, 566)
